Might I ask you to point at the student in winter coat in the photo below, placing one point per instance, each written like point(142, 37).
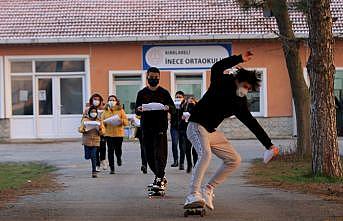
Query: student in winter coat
point(97, 101)
point(91, 137)
point(114, 130)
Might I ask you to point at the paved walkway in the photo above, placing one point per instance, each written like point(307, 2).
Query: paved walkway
point(122, 196)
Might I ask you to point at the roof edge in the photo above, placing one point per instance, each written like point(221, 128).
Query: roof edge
point(149, 38)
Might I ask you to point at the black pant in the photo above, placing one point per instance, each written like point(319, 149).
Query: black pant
point(143, 152)
point(101, 151)
point(114, 145)
point(178, 139)
point(156, 146)
point(189, 150)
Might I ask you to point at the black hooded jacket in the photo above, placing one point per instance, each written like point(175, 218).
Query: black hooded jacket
point(221, 101)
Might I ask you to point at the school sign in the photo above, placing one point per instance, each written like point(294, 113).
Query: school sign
point(190, 56)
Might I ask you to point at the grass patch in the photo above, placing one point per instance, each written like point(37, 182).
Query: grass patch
point(294, 174)
point(19, 179)
point(15, 175)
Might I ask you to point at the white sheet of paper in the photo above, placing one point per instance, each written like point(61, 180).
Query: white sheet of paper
point(186, 115)
point(153, 106)
point(42, 95)
point(90, 125)
point(135, 121)
point(23, 95)
point(131, 116)
point(114, 120)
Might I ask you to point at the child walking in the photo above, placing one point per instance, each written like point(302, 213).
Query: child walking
point(115, 120)
point(91, 128)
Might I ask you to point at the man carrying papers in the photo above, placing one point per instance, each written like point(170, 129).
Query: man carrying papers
point(153, 104)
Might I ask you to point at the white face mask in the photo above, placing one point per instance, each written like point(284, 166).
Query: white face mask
point(96, 103)
point(241, 92)
point(112, 103)
point(93, 115)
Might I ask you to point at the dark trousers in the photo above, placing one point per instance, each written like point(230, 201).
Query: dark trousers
point(90, 154)
point(101, 151)
point(114, 145)
point(178, 140)
point(156, 146)
point(143, 152)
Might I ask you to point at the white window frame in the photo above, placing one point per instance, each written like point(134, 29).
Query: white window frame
point(112, 74)
point(2, 88)
point(263, 93)
point(195, 72)
point(33, 58)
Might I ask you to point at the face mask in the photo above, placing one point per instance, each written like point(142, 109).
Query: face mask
point(153, 82)
point(96, 102)
point(93, 115)
point(112, 103)
point(241, 92)
point(177, 103)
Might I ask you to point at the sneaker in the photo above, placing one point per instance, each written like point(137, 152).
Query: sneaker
point(94, 175)
point(165, 181)
point(103, 165)
point(207, 194)
point(97, 169)
point(194, 200)
point(112, 172)
point(144, 169)
point(151, 185)
point(270, 154)
point(161, 184)
point(119, 162)
point(175, 164)
point(181, 167)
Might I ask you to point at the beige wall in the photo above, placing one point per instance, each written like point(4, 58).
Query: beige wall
point(128, 56)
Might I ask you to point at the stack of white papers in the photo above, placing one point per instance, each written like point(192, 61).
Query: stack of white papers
point(135, 121)
point(152, 106)
point(186, 115)
point(90, 125)
point(114, 120)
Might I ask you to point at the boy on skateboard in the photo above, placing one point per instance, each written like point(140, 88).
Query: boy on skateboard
point(225, 97)
point(154, 125)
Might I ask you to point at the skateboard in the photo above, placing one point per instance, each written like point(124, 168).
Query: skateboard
point(155, 192)
point(200, 211)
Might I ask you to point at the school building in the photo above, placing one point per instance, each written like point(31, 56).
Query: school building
point(55, 54)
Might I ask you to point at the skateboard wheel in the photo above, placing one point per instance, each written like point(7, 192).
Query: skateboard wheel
point(202, 214)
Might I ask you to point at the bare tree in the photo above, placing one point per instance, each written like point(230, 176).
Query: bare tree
point(325, 151)
point(291, 45)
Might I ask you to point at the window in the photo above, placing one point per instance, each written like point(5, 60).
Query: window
point(60, 66)
point(254, 98)
point(126, 88)
point(190, 84)
point(45, 96)
point(338, 91)
point(22, 98)
point(71, 95)
point(21, 67)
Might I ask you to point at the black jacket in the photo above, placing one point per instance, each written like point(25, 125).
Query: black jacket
point(156, 121)
point(176, 121)
point(221, 101)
